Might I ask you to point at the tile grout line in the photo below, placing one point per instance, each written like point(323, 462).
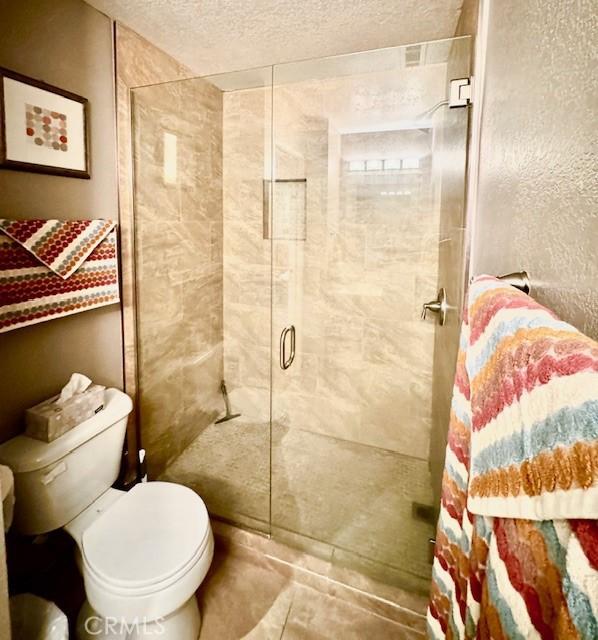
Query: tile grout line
point(368, 612)
point(284, 626)
point(346, 586)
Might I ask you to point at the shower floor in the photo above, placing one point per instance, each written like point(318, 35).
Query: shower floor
point(342, 501)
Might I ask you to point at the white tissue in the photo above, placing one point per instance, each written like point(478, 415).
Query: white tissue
point(77, 384)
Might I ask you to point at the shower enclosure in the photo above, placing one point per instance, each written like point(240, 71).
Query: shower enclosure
point(289, 223)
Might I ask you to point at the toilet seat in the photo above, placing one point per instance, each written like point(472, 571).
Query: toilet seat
point(150, 535)
point(148, 552)
point(151, 587)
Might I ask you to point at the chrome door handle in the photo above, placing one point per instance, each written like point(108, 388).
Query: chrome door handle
point(439, 306)
point(285, 362)
point(281, 350)
point(292, 356)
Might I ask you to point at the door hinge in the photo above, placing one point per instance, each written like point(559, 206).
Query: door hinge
point(460, 93)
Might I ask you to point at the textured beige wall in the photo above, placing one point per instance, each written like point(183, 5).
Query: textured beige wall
point(68, 44)
point(537, 195)
point(178, 245)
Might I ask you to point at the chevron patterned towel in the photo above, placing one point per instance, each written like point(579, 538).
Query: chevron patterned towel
point(517, 551)
point(61, 245)
point(53, 268)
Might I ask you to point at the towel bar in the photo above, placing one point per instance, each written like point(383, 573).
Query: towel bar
point(517, 279)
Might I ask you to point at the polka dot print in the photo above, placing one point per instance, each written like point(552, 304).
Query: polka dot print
point(39, 293)
point(46, 128)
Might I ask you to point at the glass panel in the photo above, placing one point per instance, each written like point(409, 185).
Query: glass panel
point(352, 414)
point(202, 153)
point(451, 130)
point(301, 289)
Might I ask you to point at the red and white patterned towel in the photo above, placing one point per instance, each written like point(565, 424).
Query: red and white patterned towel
point(53, 268)
point(62, 245)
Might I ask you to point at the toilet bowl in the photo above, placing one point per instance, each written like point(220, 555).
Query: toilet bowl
point(142, 553)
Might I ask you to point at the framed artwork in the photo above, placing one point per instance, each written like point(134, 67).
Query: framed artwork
point(42, 128)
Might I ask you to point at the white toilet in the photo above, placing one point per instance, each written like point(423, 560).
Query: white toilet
point(142, 553)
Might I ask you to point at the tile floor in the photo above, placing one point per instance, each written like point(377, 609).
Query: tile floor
point(256, 589)
point(259, 590)
point(330, 497)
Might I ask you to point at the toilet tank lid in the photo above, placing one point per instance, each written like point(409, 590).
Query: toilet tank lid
point(23, 454)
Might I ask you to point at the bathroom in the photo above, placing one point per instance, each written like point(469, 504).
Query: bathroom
point(298, 202)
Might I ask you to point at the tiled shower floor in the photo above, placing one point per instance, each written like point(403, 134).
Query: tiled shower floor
point(338, 500)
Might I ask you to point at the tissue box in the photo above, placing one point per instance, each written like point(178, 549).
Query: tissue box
point(49, 420)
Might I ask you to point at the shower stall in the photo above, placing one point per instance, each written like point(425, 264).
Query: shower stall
point(289, 223)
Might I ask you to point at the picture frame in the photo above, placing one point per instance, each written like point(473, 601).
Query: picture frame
point(43, 129)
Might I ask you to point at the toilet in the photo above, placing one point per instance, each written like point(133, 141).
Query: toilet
point(142, 553)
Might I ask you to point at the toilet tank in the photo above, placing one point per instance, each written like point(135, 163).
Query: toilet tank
point(55, 481)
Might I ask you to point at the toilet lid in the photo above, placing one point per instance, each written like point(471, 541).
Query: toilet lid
point(147, 536)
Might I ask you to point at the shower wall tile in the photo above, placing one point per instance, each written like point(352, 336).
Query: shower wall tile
point(179, 265)
point(137, 62)
point(353, 289)
point(246, 255)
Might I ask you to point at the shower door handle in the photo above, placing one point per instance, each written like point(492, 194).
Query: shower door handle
point(285, 362)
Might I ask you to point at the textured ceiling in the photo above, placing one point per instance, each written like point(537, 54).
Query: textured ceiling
point(211, 36)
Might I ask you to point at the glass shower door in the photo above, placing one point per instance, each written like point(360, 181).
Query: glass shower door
point(356, 219)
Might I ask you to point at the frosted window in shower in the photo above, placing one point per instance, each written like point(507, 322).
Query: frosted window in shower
point(411, 163)
point(392, 164)
point(374, 165)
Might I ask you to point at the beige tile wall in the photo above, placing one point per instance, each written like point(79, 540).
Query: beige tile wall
point(364, 360)
point(178, 244)
point(175, 350)
point(246, 163)
point(354, 287)
point(138, 63)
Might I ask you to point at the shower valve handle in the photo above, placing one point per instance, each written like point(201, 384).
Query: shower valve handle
point(438, 306)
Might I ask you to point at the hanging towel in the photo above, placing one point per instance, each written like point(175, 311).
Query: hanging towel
point(505, 577)
point(53, 268)
point(534, 409)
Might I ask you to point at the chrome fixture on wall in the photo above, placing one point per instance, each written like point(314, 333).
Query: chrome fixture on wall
point(439, 306)
point(519, 280)
point(460, 95)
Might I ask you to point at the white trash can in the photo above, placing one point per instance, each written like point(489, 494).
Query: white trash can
point(33, 618)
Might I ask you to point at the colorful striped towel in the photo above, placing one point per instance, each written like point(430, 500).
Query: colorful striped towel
point(534, 409)
point(495, 578)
